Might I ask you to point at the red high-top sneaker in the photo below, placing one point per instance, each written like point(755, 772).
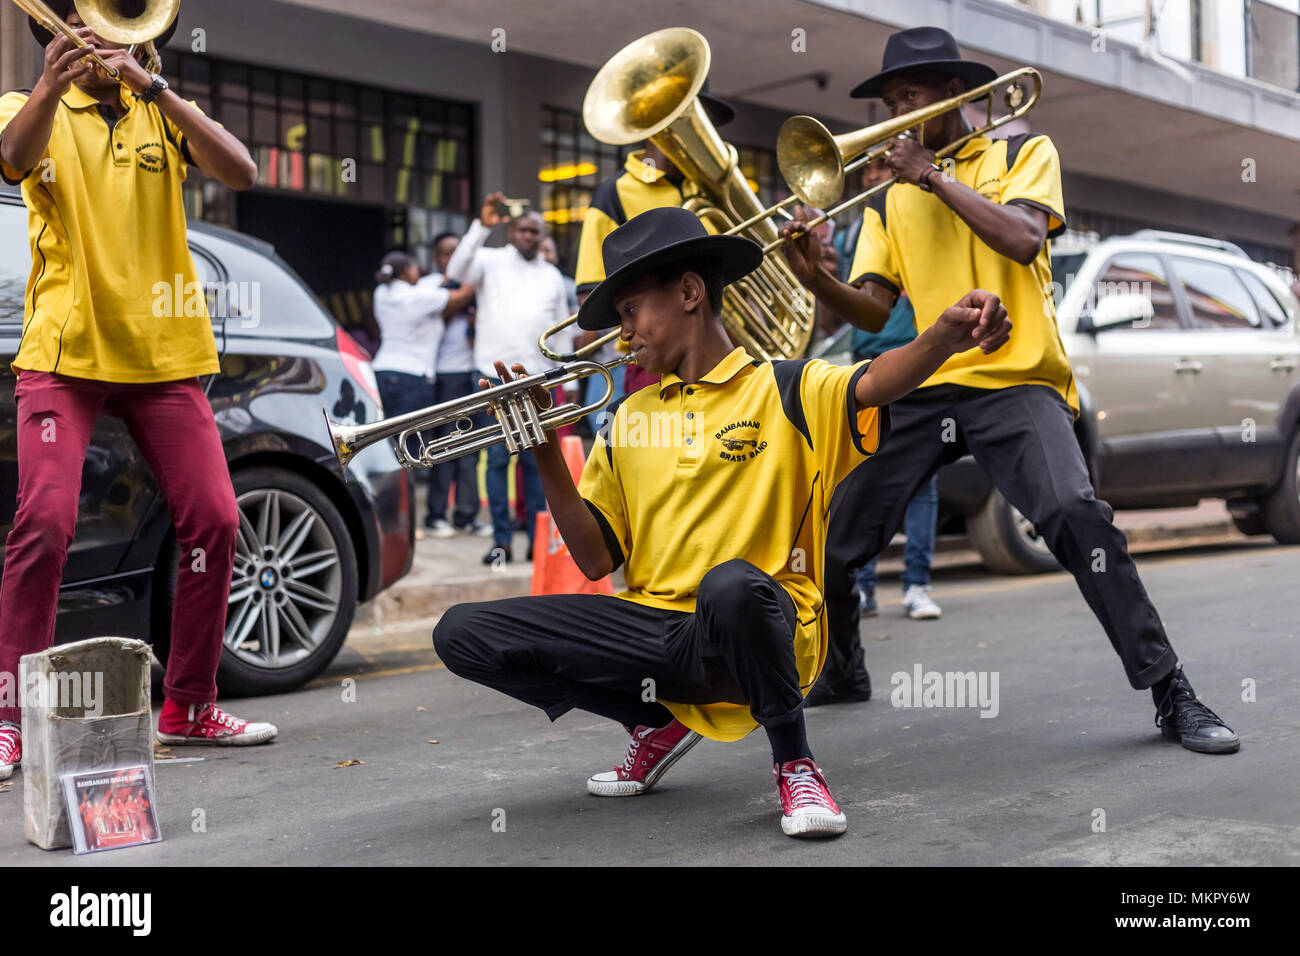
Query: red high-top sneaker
point(208, 724)
point(650, 753)
point(807, 807)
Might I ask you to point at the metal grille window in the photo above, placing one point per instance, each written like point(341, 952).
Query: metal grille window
point(572, 166)
point(334, 139)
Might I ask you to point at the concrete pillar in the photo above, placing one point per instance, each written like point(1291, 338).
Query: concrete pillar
point(20, 59)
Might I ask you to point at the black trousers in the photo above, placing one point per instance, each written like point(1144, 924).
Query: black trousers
point(1023, 438)
point(595, 652)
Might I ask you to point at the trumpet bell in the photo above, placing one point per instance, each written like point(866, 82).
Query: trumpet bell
point(128, 21)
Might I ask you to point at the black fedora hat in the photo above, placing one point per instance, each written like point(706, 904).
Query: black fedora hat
point(62, 8)
point(923, 48)
point(720, 111)
point(653, 240)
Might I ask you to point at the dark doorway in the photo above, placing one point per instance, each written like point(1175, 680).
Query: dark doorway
point(335, 246)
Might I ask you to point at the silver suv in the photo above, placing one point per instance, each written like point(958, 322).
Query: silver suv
point(1185, 354)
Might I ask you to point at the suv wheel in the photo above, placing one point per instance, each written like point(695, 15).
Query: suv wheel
point(1281, 509)
point(294, 588)
point(1006, 539)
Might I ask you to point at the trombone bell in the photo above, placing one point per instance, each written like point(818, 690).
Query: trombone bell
point(128, 21)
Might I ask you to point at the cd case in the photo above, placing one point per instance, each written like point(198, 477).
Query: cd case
point(110, 809)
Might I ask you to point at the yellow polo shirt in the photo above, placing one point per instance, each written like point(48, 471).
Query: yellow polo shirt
point(741, 464)
point(924, 247)
point(113, 294)
point(615, 201)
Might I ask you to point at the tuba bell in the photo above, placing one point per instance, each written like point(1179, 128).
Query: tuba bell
point(649, 90)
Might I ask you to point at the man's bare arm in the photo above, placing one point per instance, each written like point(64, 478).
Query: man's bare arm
point(577, 526)
point(979, 320)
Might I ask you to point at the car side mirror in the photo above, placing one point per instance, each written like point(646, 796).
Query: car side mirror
point(1121, 309)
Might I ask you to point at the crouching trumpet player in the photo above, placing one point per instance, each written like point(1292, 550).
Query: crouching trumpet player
point(101, 164)
point(721, 531)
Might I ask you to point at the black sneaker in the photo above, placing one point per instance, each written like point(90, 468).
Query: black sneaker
point(1182, 717)
point(498, 555)
point(853, 691)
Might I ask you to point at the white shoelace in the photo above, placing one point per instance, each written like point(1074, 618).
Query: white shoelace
point(805, 790)
point(634, 744)
point(8, 740)
point(225, 719)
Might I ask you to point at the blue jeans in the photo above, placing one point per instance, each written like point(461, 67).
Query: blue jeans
point(463, 470)
point(918, 525)
point(595, 388)
point(403, 393)
point(499, 464)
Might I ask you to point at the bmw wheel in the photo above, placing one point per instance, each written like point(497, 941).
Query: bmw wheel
point(294, 588)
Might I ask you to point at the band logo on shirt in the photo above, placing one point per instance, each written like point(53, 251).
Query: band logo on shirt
point(737, 446)
point(994, 190)
point(151, 158)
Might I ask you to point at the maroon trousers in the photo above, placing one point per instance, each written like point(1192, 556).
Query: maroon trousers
point(172, 424)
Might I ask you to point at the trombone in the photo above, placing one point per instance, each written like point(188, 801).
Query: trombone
point(519, 422)
point(117, 21)
point(815, 163)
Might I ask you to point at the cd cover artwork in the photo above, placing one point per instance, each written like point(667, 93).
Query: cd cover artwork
point(110, 809)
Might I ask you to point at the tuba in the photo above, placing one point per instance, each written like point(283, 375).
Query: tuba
point(649, 90)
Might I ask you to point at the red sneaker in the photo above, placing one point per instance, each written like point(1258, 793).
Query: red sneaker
point(807, 807)
point(11, 748)
point(208, 724)
point(650, 753)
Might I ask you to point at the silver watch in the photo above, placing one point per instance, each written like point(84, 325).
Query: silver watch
point(154, 91)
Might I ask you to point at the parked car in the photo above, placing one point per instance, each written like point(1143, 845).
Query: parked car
point(311, 545)
point(1185, 356)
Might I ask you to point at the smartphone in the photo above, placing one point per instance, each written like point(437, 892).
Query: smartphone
point(512, 208)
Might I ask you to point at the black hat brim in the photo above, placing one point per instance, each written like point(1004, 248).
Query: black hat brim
point(973, 74)
point(44, 36)
point(720, 112)
point(733, 256)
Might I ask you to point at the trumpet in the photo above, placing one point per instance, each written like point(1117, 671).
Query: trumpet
point(520, 424)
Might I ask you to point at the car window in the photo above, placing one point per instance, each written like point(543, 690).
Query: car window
point(1139, 274)
point(1216, 295)
point(1268, 305)
point(15, 263)
point(261, 294)
point(1065, 266)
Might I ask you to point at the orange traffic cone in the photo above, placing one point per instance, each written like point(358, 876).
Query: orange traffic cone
point(554, 571)
point(574, 456)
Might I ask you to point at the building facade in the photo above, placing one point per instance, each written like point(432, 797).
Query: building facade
point(378, 126)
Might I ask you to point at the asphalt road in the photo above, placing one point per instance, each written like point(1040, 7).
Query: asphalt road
point(920, 786)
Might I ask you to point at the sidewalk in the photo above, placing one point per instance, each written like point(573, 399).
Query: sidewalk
point(450, 571)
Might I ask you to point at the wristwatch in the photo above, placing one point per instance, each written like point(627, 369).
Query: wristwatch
point(154, 91)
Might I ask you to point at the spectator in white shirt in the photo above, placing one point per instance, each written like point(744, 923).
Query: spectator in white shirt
point(454, 379)
point(409, 314)
point(520, 296)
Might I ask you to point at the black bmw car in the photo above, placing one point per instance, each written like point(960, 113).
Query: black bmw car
point(311, 545)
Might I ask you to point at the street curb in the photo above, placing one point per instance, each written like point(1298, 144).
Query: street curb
point(420, 600)
point(412, 599)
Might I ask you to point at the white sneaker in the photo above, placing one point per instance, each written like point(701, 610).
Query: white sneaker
point(918, 604)
point(442, 529)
